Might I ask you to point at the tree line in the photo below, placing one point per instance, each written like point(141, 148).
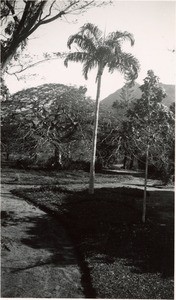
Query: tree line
point(52, 125)
point(65, 120)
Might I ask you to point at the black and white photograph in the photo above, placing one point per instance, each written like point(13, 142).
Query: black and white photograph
point(87, 149)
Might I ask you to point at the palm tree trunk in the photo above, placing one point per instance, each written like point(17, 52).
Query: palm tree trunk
point(94, 144)
point(145, 185)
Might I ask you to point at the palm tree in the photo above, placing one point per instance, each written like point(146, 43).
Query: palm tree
point(96, 50)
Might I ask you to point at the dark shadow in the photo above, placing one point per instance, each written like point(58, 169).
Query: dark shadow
point(108, 225)
point(48, 233)
point(12, 219)
point(110, 222)
point(55, 260)
point(7, 217)
point(139, 175)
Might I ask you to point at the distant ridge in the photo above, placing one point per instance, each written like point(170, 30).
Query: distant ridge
point(169, 88)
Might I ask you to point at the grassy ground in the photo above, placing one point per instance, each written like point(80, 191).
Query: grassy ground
point(126, 259)
point(70, 179)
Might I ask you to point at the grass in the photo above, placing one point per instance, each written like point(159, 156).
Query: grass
point(73, 179)
point(125, 258)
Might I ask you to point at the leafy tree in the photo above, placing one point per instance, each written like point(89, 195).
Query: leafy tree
point(4, 91)
point(19, 19)
point(51, 114)
point(108, 138)
point(15, 137)
point(172, 107)
point(150, 127)
point(121, 106)
point(96, 50)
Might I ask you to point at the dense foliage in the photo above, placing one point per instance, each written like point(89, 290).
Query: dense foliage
point(51, 125)
point(52, 119)
point(151, 124)
point(138, 123)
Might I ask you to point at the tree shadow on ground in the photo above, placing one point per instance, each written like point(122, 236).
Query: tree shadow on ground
point(7, 217)
point(46, 233)
point(106, 227)
point(109, 225)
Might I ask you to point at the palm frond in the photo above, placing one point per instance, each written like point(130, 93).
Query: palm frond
point(76, 57)
point(102, 52)
point(117, 37)
point(126, 63)
point(91, 30)
point(82, 42)
point(89, 65)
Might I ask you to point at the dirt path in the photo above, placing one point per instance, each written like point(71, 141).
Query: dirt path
point(37, 258)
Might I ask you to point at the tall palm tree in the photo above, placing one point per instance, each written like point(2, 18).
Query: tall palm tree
point(94, 49)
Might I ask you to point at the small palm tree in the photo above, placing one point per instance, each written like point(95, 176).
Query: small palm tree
point(96, 50)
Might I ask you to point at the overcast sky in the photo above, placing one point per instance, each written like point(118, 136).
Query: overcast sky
point(151, 22)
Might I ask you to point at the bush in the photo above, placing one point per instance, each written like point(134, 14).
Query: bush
point(24, 163)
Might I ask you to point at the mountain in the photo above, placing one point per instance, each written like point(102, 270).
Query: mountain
point(169, 88)
point(170, 91)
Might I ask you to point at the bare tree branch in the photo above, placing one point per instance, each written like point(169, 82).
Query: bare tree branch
point(50, 10)
point(33, 65)
point(12, 11)
point(33, 16)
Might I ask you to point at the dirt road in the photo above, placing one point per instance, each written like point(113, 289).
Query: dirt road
point(37, 259)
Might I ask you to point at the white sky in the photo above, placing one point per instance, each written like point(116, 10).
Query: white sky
point(151, 22)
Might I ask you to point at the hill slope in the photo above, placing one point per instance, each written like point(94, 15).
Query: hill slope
point(169, 88)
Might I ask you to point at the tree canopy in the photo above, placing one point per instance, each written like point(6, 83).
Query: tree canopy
point(151, 123)
point(97, 50)
point(52, 115)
